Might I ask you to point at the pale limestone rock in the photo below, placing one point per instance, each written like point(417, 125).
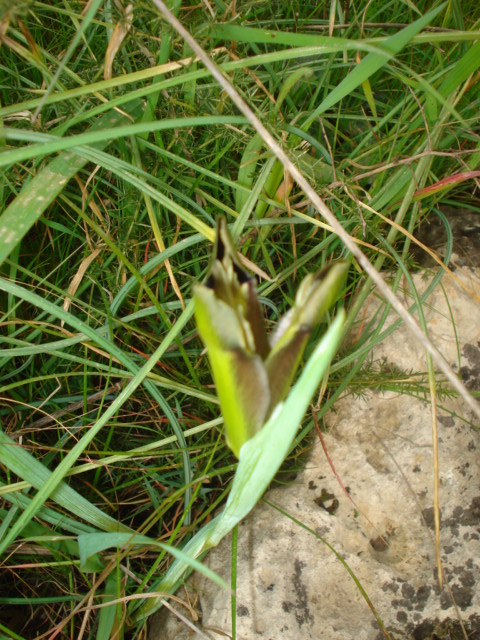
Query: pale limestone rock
point(292, 586)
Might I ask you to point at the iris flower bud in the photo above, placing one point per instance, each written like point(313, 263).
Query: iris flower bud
point(251, 376)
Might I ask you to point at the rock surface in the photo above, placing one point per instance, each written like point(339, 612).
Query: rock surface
point(297, 570)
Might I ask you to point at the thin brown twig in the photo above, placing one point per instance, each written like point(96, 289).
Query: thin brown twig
point(404, 161)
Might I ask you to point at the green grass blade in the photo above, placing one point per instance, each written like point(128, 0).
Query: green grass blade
point(238, 33)
point(105, 134)
point(42, 190)
point(110, 614)
point(373, 62)
point(461, 71)
point(19, 461)
point(56, 477)
point(91, 544)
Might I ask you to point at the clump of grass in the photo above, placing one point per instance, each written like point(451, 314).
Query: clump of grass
point(110, 191)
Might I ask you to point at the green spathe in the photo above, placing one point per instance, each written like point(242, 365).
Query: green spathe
point(260, 458)
point(252, 377)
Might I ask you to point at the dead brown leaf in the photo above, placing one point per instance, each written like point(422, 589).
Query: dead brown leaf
point(118, 36)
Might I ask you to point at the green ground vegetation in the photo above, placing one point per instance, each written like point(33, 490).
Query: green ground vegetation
point(118, 153)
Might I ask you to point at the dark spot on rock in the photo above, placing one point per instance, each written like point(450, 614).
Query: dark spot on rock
point(463, 596)
point(423, 631)
point(428, 517)
point(471, 515)
point(457, 512)
point(417, 468)
point(390, 586)
point(270, 587)
point(379, 543)
point(302, 611)
point(467, 578)
point(472, 352)
point(327, 501)
point(402, 603)
point(242, 611)
point(446, 421)
point(402, 616)
point(422, 596)
point(463, 469)
point(287, 606)
point(408, 592)
point(470, 377)
point(312, 485)
point(471, 446)
point(448, 549)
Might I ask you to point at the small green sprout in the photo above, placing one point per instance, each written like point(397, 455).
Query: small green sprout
point(251, 373)
point(261, 412)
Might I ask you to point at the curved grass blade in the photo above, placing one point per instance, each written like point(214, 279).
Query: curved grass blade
point(139, 375)
point(20, 462)
point(373, 62)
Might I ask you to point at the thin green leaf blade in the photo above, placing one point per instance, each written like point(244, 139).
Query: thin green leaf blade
point(21, 463)
point(111, 614)
point(42, 190)
point(373, 62)
point(467, 65)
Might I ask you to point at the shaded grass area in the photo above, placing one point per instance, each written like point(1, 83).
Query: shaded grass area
point(119, 152)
